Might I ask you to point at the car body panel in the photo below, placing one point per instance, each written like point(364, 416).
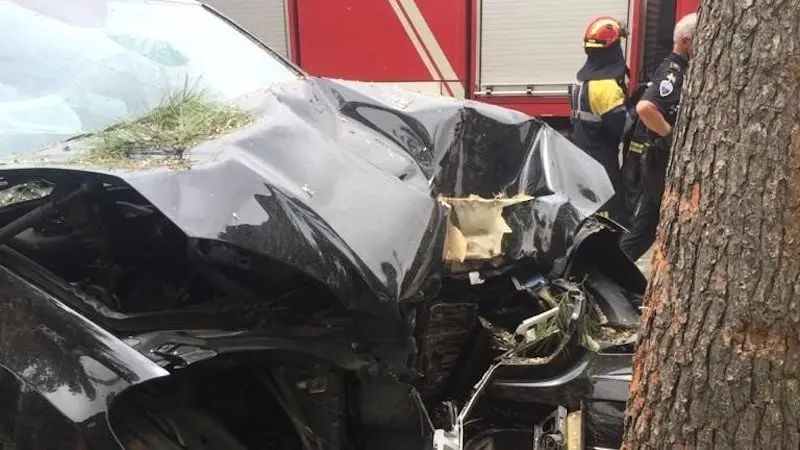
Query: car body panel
point(332, 168)
point(76, 366)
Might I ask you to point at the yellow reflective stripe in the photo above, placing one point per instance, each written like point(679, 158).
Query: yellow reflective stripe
point(637, 147)
point(604, 95)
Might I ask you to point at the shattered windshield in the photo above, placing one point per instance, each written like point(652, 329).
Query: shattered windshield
point(69, 68)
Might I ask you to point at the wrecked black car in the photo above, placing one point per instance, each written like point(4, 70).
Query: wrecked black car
point(201, 247)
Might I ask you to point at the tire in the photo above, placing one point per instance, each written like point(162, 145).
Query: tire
point(178, 428)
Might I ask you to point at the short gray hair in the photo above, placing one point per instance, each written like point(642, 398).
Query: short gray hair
point(685, 27)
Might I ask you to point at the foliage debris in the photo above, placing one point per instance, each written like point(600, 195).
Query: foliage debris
point(24, 192)
point(161, 137)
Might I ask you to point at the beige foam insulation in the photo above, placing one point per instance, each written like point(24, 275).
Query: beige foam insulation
point(481, 227)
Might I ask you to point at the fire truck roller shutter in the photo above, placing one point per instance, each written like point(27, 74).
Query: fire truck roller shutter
point(265, 19)
point(537, 43)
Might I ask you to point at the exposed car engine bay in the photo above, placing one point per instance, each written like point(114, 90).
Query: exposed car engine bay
point(138, 274)
point(133, 260)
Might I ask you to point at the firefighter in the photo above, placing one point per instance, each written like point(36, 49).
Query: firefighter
point(657, 111)
point(600, 116)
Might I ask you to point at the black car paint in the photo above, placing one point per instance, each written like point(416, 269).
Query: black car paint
point(333, 168)
point(338, 179)
point(596, 383)
point(49, 351)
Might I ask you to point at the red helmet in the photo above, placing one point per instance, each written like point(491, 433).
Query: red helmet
point(603, 32)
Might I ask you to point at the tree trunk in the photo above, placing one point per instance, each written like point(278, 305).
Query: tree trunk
point(718, 362)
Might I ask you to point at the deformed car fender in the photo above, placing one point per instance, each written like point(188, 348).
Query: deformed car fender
point(56, 354)
point(596, 246)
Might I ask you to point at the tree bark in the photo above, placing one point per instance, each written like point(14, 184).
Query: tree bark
point(718, 360)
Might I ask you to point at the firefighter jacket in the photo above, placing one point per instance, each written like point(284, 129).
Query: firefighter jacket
point(600, 117)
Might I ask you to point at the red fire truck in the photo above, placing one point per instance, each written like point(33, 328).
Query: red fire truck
point(520, 54)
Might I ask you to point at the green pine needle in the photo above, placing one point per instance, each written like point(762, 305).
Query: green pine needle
point(184, 119)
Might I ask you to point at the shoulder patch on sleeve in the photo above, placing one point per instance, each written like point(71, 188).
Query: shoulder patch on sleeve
point(675, 66)
point(665, 88)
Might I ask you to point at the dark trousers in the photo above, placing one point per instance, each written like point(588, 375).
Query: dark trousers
point(644, 223)
point(632, 179)
point(615, 206)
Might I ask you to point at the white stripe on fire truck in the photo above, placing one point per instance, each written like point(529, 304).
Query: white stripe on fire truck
point(456, 88)
point(427, 46)
point(428, 39)
point(413, 37)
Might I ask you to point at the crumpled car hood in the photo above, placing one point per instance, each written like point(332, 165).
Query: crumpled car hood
point(342, 180)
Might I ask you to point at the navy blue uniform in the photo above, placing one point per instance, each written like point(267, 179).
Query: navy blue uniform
point(600, 118)
point(665, 92)
point(632, 160)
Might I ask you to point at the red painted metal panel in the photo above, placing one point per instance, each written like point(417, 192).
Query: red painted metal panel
point(534, 106)
point(365, 39)
point(637, 36)
point(293, 31)
point(471, 82)
point(448, 21)
point(356, 39)
point(684, 7)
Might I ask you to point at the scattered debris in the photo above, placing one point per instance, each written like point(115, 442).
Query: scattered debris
point(503, 339)
point(160, 138)
point(24, 192)
point(308, 191)
point(475, 278)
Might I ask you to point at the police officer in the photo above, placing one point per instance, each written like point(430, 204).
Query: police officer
point(631, 160)
point(600, 117)
point(657, 111)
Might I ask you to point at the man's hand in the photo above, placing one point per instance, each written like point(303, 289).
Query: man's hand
point(652, 118)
